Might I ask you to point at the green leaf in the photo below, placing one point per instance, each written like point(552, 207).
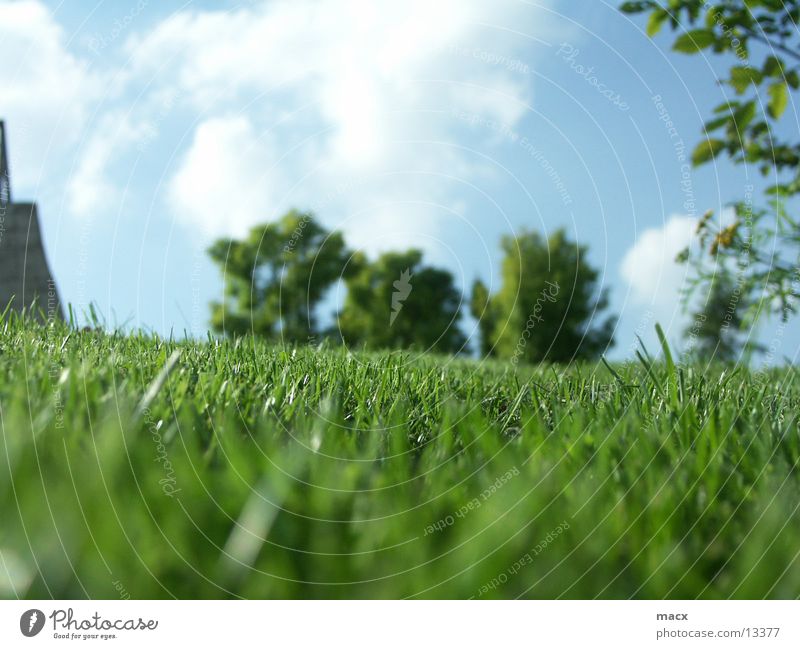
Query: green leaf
point(773, 67)
point(742, 77)
point(726, 107)
point(778, 99)
point(706, 150)
point(655, 21)
point(744, 115)
point(714, 124)
point(779, 191)
point(694, 41)
point(632, 7)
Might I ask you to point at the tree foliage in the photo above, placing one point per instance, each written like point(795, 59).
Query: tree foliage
point(714, 332)
point(276, 276)
point(397, 302)
point(763, 246)
point(548, 305)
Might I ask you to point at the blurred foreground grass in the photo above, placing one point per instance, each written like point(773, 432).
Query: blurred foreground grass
point(131, 466)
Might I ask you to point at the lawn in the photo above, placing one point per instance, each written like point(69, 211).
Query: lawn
point(133, 466)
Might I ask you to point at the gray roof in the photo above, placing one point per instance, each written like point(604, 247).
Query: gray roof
point(24, 272)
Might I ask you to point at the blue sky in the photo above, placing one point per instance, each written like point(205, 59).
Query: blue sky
point(146, 129)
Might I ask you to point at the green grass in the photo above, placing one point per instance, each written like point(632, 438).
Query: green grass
point(135, 466)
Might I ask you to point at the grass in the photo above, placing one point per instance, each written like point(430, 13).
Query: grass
point(133, 466)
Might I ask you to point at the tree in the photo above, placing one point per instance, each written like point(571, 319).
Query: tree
point(397, 302)
point(276, 276)
point(481, 309)
point(548, 305)
point(715, 329)
point(763, 246)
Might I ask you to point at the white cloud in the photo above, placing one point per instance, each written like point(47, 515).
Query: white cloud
point(90, 186)
point(650, 268)
point(367, 82)
point(286, 100)
point(45, 90)
point(223, 181)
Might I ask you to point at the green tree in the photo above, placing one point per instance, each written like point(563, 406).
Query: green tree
point(714, 332)
point(276, 276)
point(548, 305)
point(397, 302)
point(481, 308)
point(763, 246)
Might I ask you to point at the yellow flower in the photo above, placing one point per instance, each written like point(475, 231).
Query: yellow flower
point(724, 238)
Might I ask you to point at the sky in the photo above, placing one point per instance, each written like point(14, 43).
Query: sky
point(145, 130)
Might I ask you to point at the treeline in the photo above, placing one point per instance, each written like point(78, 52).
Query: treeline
point(548, 306)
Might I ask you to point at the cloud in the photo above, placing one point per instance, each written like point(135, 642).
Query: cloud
point(649, 265)
point(285, 101)
point(46, 91)
point(222, 183)
point(90, 187)
point(346, 89)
